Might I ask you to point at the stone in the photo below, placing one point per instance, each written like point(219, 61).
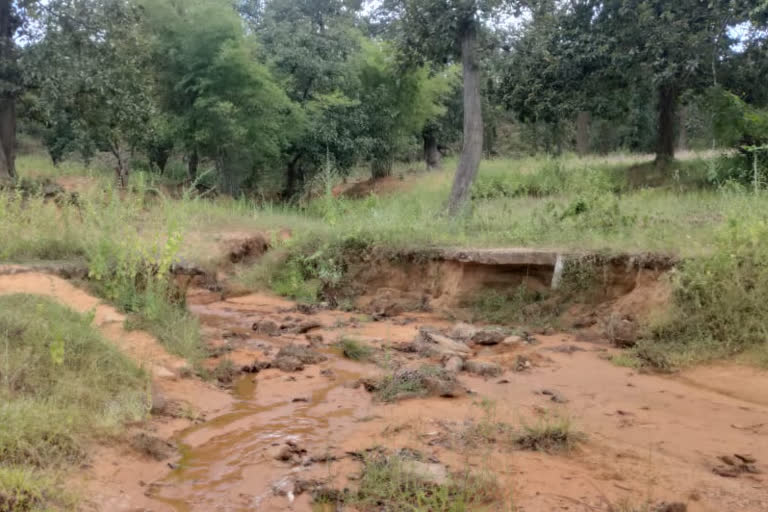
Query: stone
point(513, 340)
point(434, 344)
point(306, 326)
point(287, 364)
point(671, 507)
point(267, 326)
point(488, 337)
point(483, 368)
point(453, 364)
point(463, 331)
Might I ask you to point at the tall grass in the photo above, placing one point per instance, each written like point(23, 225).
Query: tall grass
point(61, 384)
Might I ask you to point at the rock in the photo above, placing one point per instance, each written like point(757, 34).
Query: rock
point(512, 340)
point(553, 395)
point(453, 364)
point(304, 354)
point(671, 507)
point(434, 344)
point(435, 474)
point(522, 363)
point(267, 326)
point(745, 458)
point(623, 333)
point(256, 367)
point(463, 331)
point(306, 326)
point(287, 363)
point(292, 453)
point(158, 449)
point(488, 337)
point(483, 368)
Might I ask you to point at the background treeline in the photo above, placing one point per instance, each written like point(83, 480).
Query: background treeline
point(256, 96)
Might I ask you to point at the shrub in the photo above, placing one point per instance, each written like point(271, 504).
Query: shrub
point(720, 300)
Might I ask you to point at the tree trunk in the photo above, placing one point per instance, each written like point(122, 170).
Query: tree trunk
point(291, 178)
point(194, 161)
point(432, 155)
point(583, 120)
point(667, 107)
point(472, 150)
point(7, 95)
point(682, 134)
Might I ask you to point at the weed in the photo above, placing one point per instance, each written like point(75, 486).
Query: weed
point(225, 371)
point(719, 301)
point(26, 490)
point(355, 350)
point(409, 383)
point(395, 483)
point(551, 434)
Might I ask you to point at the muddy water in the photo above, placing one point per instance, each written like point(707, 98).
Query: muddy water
point(228, 463)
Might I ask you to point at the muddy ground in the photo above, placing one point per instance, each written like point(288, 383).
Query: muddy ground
point(247, 443)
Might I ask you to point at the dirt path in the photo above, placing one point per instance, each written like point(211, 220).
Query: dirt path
point(648, 436)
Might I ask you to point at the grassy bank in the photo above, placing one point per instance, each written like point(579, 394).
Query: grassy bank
point(695, 209)
point(61, 386)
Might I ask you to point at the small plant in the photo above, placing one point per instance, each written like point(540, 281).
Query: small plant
point(355, 350)
point(402, 484)
point(25, 490)
point(551, 434)
point(410, 383)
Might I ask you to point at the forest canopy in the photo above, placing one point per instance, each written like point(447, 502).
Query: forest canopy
point(259, 96)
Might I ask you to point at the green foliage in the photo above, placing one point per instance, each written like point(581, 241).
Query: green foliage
point(719, 300)
point(59, 381)
point(390, 480)
point(223, 102)
point(26, 490)
point(354, 349)
point(551, 434)
point(100, 100)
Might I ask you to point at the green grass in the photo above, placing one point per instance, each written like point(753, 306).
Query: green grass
point(387, 481)
point(26, 490)
point(355, 350)
point(550, 434)
point(596, 203)
point(61, 385)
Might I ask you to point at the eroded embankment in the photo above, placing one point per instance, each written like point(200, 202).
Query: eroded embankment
point(292, 414)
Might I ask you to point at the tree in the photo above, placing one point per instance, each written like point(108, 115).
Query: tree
point(10, 86)
point(223, 103)
point(442, 30)
point(676, 46)
point(397, 102)
point(87, 72)
point(314, 51)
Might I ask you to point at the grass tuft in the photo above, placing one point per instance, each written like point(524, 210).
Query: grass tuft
point(355, 350)
point(550, 434)
point(393, 483)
